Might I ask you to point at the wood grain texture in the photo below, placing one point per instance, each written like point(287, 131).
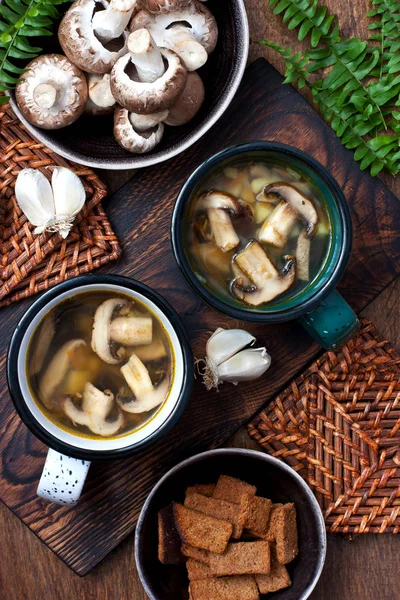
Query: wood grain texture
point(140, 213)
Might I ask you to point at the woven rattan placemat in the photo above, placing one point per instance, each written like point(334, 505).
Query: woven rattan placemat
point(32, 263)
point(338, 426)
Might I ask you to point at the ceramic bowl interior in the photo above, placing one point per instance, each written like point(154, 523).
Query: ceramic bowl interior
point(272, 478)
point(90, 141)
point(339, 245)
point(64, 440)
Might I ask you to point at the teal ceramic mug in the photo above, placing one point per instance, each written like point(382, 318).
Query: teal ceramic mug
point(317, 305)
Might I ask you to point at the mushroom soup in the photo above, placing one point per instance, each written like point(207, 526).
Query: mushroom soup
point(259, 232)
point(100, 364)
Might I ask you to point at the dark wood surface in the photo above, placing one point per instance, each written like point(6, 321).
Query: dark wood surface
point(140, 214)
point(363, 569)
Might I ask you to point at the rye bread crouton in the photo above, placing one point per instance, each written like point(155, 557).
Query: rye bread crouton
point(169, 542)
point(236, 514)
point(258, 514)
point(269, 534)
point(225, 588)
point(206, 489)
point(285, 531)
point(277, 579)
point(243, 558)
point(197, 570)
point(232, 489)
point(202, 531)
point(195, 553)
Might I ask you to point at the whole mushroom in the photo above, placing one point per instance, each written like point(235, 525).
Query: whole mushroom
point(158, 87)
point(110, 23)
point(188, 103)
point(163, 6)
point(52, 93)
point(101, 101)
point(81, 43)
point(191, 32)
point(137, 133)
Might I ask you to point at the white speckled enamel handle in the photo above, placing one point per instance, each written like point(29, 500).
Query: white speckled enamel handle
point(62, 478)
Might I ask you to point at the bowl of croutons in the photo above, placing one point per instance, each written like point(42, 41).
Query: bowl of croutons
point(230, 524)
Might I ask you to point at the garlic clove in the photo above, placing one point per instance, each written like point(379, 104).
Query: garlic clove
point(224, 343)
point(246, 365)
point(69, 193)
point(34, 196)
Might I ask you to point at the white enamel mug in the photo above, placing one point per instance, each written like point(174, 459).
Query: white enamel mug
point(70, 454)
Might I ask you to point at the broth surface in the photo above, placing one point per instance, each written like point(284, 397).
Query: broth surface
point(245, 181)
point(73, 320)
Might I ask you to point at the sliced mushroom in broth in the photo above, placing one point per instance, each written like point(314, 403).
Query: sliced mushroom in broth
point(106, 367)
point(259, 232)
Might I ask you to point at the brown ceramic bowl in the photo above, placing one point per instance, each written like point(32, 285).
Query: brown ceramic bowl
point(272, 478)
point(89, 141)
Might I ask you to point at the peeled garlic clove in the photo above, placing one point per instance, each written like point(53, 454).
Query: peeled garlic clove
point(246, 365)
point(34, 196)
point(224, 343)
point(68, 191)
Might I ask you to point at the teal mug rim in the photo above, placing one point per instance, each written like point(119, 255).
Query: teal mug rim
point(341, 254)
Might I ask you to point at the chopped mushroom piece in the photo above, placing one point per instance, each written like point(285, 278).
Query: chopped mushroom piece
point(278, 225)
point(45, 336)
point(300, 204)
point(52, 93)
point(154, 351)
point(80, 42)
point(146, 395)
point(133, 138)
point(132, 331)
point(191, 32)
point(111, 22)
point(303, 256)
point(101, 101)
point(267, 281)
point(189, 102)
point(160, 86)
point(96, 407)
point(101, 334)
point(218, 206)
point(57, 370)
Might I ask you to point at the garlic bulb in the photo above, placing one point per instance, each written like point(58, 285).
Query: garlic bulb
point(229, 359)
point(50, 207)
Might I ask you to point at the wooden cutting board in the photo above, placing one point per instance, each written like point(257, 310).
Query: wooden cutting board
point(140, 213)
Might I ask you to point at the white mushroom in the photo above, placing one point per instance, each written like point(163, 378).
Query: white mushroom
point(159, 87)
point(101, 101)
point(57, 370)
point(219, 205)
point(189, 102)
point(96, 406)
point(192, 42)
point(80, 42)
point(101, 334)
point(146, 395)
point(52, 93)
point(132, 138)
point(110, 23)
point(267, 282)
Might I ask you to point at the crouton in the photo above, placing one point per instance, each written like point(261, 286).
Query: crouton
point(232, 489)
point(285, 532)
point(169, 542)
point(225, 588)
point(243, 558)
point(202, 531)
point(236, 514)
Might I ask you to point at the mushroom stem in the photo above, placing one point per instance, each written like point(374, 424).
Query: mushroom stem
point(146, 56)
point(142, 123)
point(182, 41)
point(46, 94)
point(224, 233)
point(138, 378)
point(132, 331)
point(100, 90)
point(110, 23)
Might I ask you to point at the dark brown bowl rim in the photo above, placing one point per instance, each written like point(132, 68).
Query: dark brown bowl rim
point(251, 454)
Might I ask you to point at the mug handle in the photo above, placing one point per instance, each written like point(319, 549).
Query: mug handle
point(62, 478)
point(332, 323)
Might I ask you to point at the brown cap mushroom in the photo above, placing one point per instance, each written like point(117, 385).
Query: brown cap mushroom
point(189, 102)
point(80, 42)
point(96, 406)
point(158, 87)
point(101, 101)
point(52, 93)
point(267, 282)
point(146, 396)
point(163, 6)
point(111, 22)
point(293, 205)
point(219, 205)
point(191, 32)
point(132, 138)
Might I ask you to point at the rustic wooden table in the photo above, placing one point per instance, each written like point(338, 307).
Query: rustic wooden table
point(362, 569)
